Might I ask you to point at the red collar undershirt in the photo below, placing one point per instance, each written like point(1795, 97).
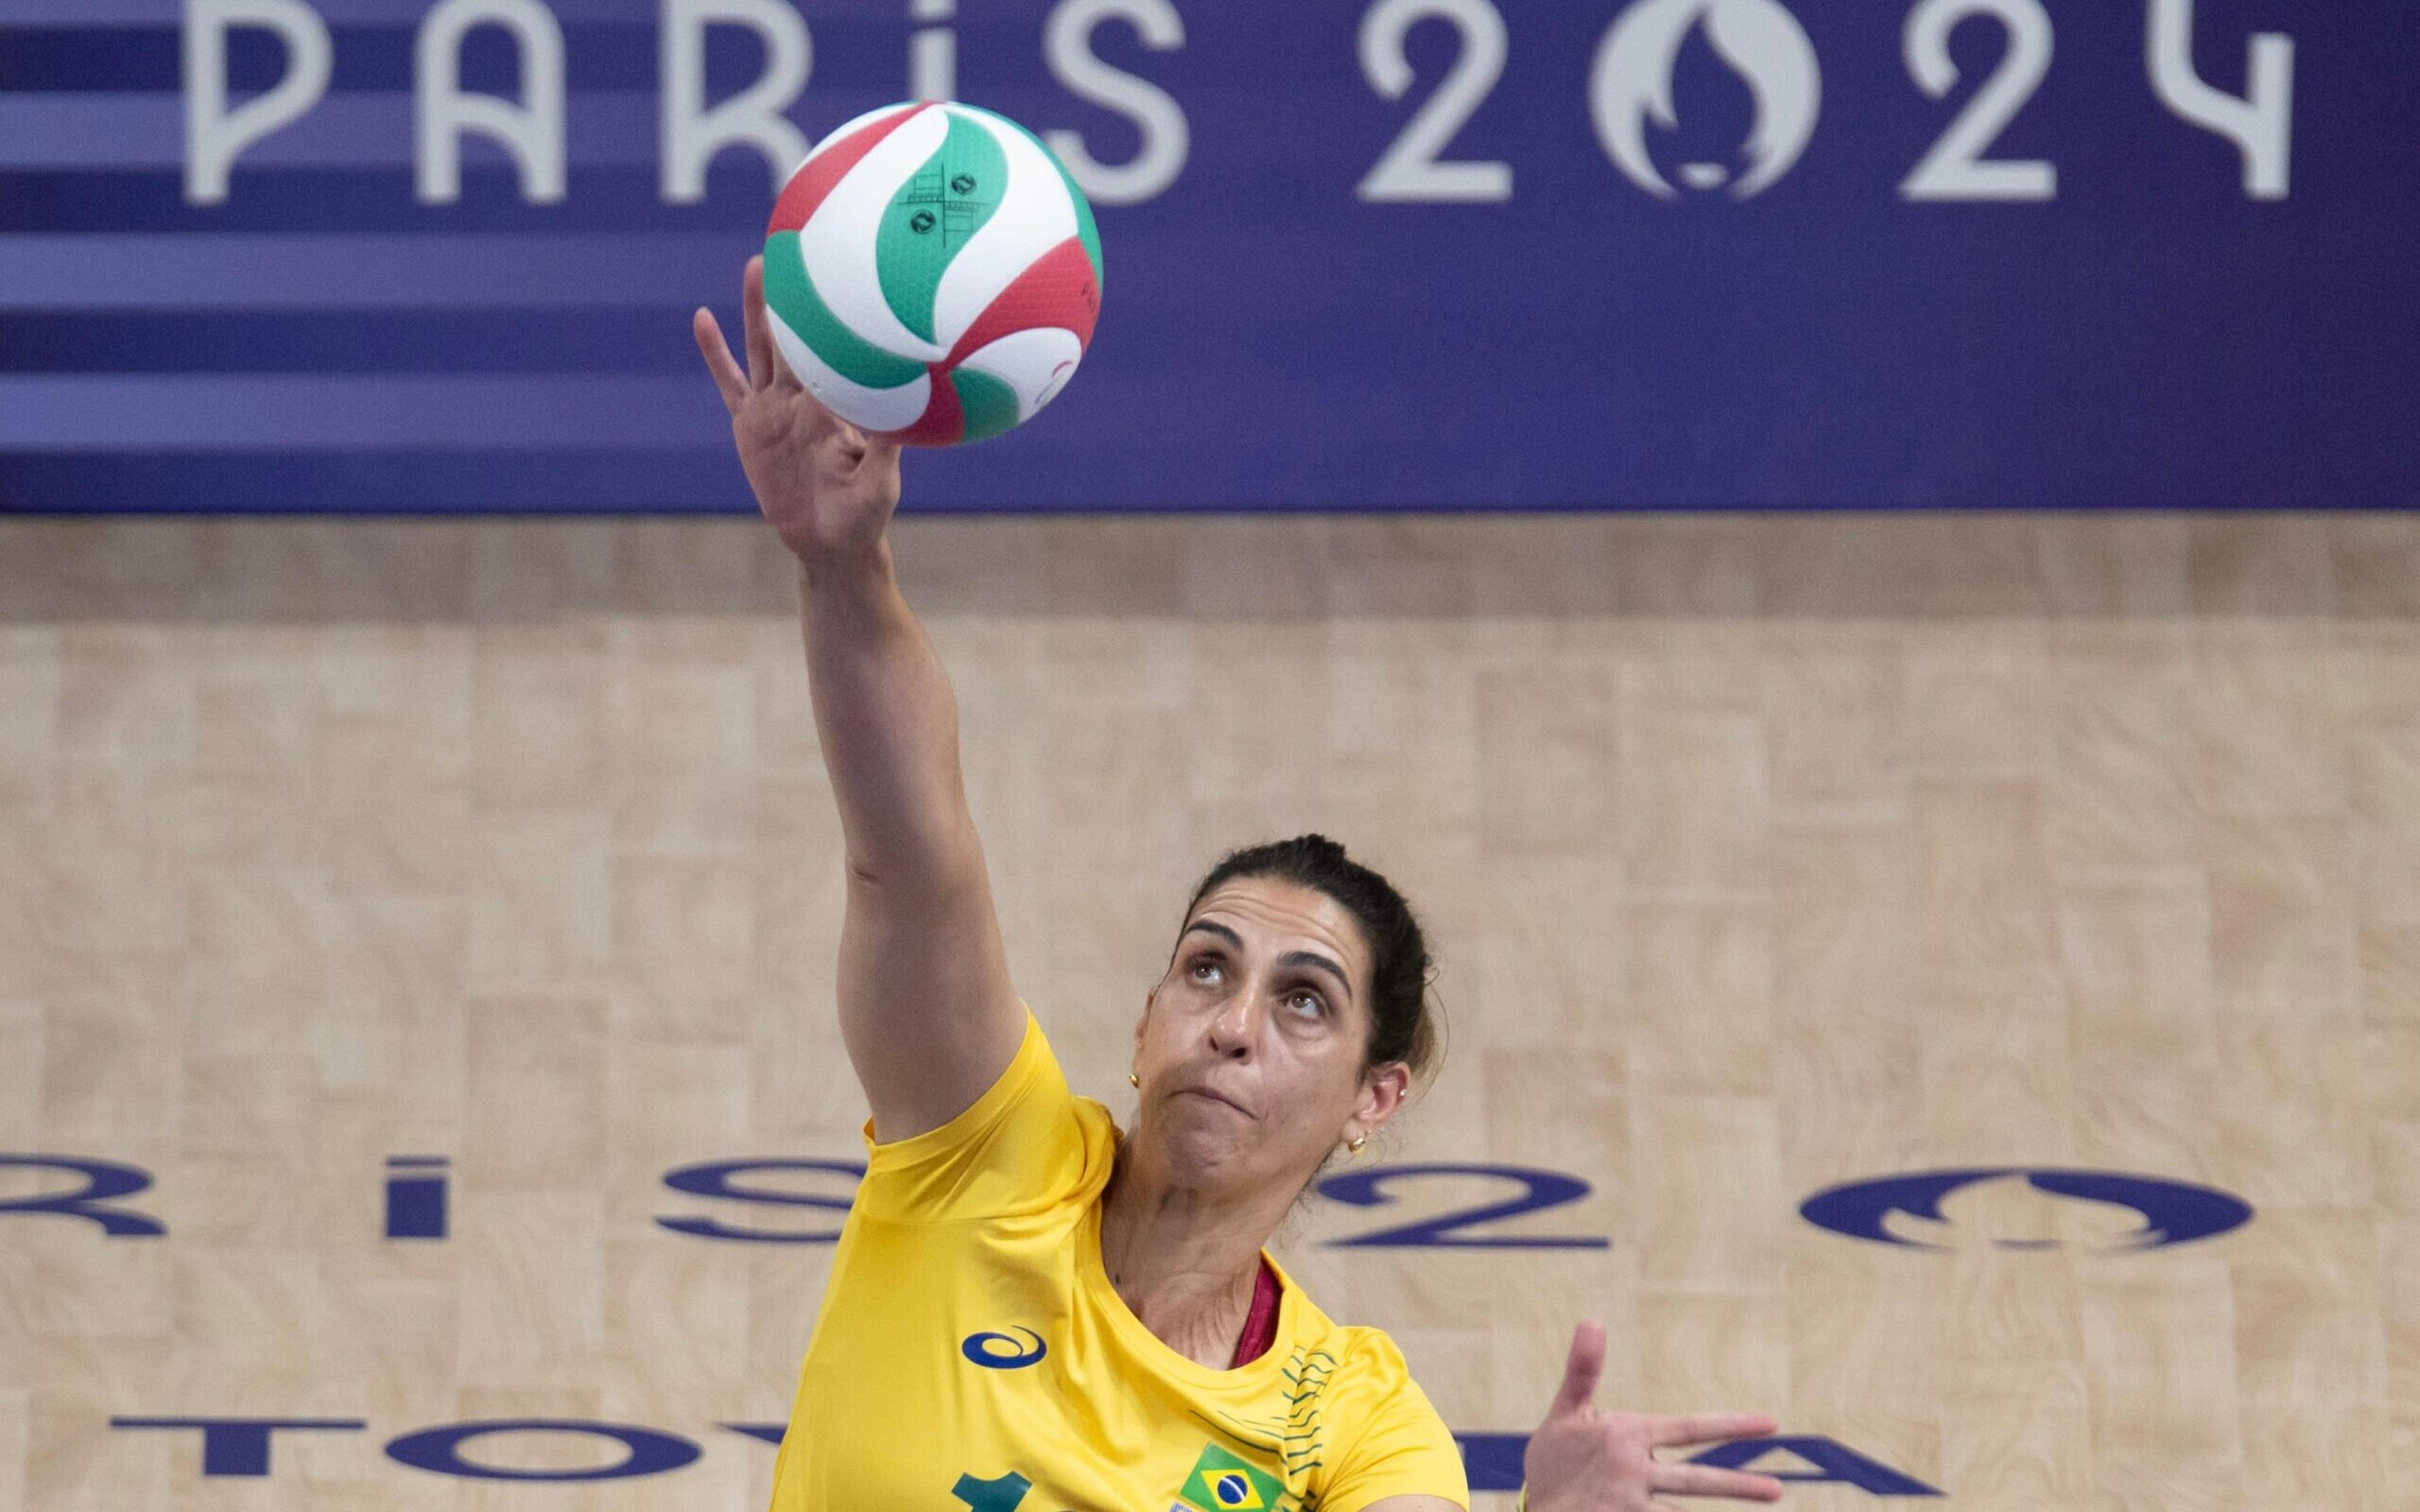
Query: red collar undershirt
point(1260, 1324)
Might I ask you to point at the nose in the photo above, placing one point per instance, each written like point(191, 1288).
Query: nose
point(1233, 1027)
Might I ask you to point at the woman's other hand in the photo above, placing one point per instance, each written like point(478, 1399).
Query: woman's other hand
point(1582, 1460)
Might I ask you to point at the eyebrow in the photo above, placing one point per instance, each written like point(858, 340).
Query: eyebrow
point(1291, 958)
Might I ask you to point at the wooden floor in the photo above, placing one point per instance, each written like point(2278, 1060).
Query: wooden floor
point(1761, 856)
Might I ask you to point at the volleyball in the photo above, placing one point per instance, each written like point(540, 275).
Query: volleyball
point(933, 273)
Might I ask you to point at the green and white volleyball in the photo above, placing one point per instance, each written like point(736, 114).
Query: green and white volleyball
point(933, 273)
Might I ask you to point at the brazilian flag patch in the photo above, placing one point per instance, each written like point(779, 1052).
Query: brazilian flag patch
point(1220, 1482)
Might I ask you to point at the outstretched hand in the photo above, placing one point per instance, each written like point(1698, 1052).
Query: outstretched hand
point(1582, 1460)
point(827, 487)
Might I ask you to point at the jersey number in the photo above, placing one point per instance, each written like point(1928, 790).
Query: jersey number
point(999, 1495)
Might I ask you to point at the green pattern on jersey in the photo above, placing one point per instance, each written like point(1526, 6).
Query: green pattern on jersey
point(940, 207)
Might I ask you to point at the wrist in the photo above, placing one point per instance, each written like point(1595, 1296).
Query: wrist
point(843, 568)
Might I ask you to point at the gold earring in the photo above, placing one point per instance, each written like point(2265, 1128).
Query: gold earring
point(1355, 1145)
point(1132, 1080)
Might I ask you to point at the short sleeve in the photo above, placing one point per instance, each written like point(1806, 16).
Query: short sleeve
point(1404, 1449)
point(1019, 1147)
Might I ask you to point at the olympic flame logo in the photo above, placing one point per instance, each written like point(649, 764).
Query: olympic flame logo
point(1759, 39)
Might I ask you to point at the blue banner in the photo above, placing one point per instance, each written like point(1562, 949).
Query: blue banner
point(429, 256)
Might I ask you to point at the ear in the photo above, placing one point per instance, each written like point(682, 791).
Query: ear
point(1383, 1093)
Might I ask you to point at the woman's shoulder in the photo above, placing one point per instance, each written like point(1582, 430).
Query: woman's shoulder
point(1385, 1436)
point(1359, 1352)
point(1368, 1354)
point(1028, 1145)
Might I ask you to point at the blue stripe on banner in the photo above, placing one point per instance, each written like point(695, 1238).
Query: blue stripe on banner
point(69, 162)
point(393, 482)
point(127, 58)
point(635, 339)
point(119, 58)
point(41, 412)
point(133, 13)
point(628, 341)
point(457, 273)
point(127, 131)
point(693, 483)
point(740, 194)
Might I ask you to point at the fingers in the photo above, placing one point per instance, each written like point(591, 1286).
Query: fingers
point(1581, 1369)
point(762, 363)
point(882, 460)
point(1707, 1427)
point(1705, 1480)
point(727, 377)
point(825, 420)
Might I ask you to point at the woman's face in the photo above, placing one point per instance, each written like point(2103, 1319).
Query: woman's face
point(1249, 1048)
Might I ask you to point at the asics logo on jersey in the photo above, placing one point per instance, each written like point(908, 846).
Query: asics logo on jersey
point(985, 1349)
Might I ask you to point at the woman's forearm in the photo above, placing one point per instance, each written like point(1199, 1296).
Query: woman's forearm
point(887, 723)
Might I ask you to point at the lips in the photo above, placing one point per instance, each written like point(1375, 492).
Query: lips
point(1215, 1097)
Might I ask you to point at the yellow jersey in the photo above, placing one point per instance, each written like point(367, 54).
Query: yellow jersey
point(971, 1355)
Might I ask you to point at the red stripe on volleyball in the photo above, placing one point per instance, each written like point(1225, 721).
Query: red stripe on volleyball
point(809, 186)
point(1056, 289)
point(944, 420)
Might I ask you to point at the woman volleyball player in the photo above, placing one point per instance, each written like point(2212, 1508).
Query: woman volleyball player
point(1031, 1310)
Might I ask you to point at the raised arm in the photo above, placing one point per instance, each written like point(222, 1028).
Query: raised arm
point(927, 1009)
